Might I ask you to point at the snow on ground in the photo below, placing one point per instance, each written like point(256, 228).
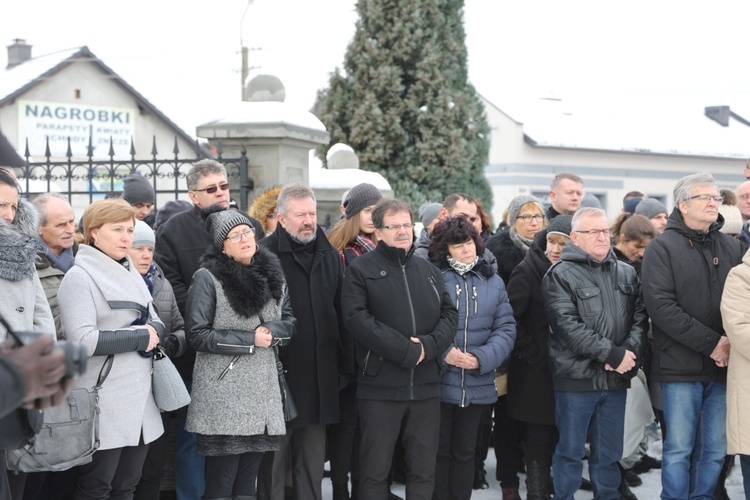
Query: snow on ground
point(649, 490)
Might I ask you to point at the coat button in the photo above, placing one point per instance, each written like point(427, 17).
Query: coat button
point(20, 309)
point(382, 273)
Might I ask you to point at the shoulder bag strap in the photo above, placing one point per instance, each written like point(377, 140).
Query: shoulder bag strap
point(104, 372)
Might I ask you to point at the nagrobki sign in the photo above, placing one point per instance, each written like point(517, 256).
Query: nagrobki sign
point(39, 120)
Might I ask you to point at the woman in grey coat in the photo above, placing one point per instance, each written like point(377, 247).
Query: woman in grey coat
point(106, 307)
point(238, 312)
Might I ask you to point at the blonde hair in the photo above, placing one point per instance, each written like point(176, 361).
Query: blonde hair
point(344, 232)
point(105, 211)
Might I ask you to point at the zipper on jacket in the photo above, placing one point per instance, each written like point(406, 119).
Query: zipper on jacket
point(250, 348)
point(476, 305)
point(458, 295)
point(466, 332)
point(413, 328)
point(366, 361)
point(229, 367)
point(432, 281)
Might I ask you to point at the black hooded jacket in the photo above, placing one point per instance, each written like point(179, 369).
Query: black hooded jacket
point(683, 278)
point(595, 312)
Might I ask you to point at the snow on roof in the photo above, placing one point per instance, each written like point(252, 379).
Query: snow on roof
point(345, 178)
point(19, 77)
point(661, 126)
point(268, 112)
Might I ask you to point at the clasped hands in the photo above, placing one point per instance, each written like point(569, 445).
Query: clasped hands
point(461, 359)
point(263, 337)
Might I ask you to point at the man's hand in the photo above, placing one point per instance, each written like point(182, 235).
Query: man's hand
point(42, 372)
point(627, 363)
point(417, 341)
point(720, 354)
point(263, 337)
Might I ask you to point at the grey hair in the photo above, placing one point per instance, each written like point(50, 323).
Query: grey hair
point(586, 212)
point(387, 206)
point(292, 192)
point(40, 203)
point(202, 169)
point(564, 175)
point(683, 190)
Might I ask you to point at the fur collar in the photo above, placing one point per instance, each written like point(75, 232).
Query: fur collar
point(19, 244)
point(248, 288)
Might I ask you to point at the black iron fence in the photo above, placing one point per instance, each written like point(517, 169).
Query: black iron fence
point(96, 178)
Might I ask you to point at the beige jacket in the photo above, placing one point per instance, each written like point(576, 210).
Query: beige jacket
point(735, 314)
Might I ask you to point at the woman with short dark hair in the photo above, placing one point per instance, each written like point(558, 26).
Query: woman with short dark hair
point(484, 340)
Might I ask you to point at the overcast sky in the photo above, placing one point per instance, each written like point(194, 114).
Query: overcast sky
point(184, 56)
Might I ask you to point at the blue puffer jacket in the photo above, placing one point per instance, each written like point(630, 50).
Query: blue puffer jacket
point(486, 329)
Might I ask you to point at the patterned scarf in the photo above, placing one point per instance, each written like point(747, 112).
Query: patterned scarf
point(460, 267)
point(149, 277)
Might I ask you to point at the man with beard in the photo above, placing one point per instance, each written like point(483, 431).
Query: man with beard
point(313, 270)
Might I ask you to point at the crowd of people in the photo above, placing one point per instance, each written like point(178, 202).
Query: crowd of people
point(556, 338)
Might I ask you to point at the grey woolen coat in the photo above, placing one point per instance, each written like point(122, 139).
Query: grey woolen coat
point(99, 295)
point(23, 305)
point(227, 301)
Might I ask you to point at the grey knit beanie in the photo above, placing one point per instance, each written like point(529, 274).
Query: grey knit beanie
point(428, 212)
point(218, 224)
point(650, 207)
point(360, 196)
point(137, 190)
point(143, 235)
point(562, 224)
point(517, 203)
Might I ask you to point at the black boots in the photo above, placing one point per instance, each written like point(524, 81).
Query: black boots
point(537, 475)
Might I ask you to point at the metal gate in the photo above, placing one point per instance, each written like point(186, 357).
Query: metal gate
point(97, 178)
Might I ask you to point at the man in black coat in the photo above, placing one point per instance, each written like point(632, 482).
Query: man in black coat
point(684, 271)
point(565, 195)
point(180, 243)
point(402, 320)
point(314, 273)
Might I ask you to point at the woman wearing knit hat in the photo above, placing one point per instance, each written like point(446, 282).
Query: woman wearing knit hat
point(264, 209)
point(352, 237)
point(238, 311)
point(531, 398)
point(174, 344)
point(526, 218)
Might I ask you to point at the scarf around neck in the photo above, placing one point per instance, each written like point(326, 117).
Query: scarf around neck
point(460, 267)
point(520, 241)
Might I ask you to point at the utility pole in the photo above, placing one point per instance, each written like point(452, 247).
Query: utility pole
point(245, 69)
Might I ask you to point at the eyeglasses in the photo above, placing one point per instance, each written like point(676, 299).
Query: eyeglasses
point(234, 238)
point(405, 227)
point(705, 198)
point(596, 232)
point(213, 189)
point(527, 218)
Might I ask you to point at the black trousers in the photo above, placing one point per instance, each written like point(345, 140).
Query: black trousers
point(380, 423)
point(112, 474)
point(507, 440)
point(231, 475)
point(343, 439)
point(539, 442)
point(153, 466)
point(454, 474)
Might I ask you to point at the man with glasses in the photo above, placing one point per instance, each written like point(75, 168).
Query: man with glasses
point(402, 320)
point(683, 273)
point(181, 242)
point(597, 326)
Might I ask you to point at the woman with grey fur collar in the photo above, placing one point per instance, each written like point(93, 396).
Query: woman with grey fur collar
point(22, 300)
point(106, 307)
point(238, 311)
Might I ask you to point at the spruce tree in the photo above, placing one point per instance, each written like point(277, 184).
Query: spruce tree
point(403, 101)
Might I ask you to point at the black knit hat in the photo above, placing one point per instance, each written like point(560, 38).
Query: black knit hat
point(219, 221)
point(359, 197)
point(560, 225)
point(137, 190)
